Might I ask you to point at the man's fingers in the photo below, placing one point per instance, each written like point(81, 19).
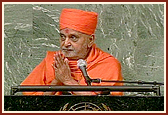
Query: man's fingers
point(55, 62)
point(58, 60)
point(66, 62)
point(54, 65)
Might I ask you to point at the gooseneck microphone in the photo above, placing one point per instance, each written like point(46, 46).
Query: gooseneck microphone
point(82, 66)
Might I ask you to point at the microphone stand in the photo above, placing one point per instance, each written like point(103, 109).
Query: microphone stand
point(82, 66)
point(88, 81)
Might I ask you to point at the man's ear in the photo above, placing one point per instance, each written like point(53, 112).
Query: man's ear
point(91, 40)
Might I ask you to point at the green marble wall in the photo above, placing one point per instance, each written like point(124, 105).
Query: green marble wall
point(133, 33)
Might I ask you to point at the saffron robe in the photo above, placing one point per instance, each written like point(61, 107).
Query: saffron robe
point(99, 65)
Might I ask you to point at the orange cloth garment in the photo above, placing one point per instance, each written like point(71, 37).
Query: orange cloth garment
point(79, 20)
point(99, 65)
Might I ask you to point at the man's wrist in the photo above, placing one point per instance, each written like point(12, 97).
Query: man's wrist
point(71, 82)
point(54, 82)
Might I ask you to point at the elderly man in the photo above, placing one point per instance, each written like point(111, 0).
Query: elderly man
point(77, 29)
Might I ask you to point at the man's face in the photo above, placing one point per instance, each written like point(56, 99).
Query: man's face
point(74, 44)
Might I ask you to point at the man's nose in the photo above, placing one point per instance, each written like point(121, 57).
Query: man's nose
point(67, 42)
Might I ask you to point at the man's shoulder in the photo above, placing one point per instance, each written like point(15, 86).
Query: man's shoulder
point(100, 56)
point(50, 55)
point(106, 57)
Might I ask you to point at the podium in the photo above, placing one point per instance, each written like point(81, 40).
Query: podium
point(83, 103)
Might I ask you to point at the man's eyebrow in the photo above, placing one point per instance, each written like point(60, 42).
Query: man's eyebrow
point(61, 33)
point(76, 35)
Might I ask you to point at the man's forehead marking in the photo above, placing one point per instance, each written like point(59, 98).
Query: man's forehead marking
point(67, 30)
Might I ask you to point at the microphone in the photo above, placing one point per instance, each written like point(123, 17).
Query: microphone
point(82, 66)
